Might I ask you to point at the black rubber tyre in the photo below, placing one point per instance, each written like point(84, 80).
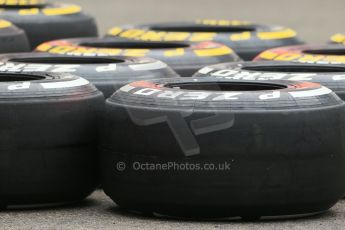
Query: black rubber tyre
point(266, 141)
point(331, 76)
point(183, 57)
point(338, 38)
point(12, 39)
point(48, 149)
point(314, 54)
point(48, 21)
point(107, 73)
point(246, 39)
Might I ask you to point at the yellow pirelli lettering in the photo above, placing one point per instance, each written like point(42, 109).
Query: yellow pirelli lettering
point(70, 9)
point(288, 57)
point(4, 24)
point(310, 58)
point(21, 2)
point(219, 51)
point(115, 31)
point(287, 33)
point(268, 55)
point(174, 53)
point(132, 33)
point(214, 22)
point(240, 36)
point(153, 36)
point(136, 52)
point(333, 58)
point(176, 36)
point(61, 49)
point(44, 47)
point(198, 37)
point(338, 38)
point(33, 11)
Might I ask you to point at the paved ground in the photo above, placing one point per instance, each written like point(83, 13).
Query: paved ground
point(98, 212)
point(315, 20)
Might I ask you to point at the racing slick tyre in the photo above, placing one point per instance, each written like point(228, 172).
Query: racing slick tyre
point(314, 54)
point(48, 21)
point(331, 76)
point(235, 148)
point(12, 39)
point(183, 57)
point(48, 149)
point(245, 38)
point(107, 73)
point(338, 38)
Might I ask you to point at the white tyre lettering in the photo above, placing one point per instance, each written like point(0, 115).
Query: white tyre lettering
point(126, 88)
point(36, 68)
point(205, 70)
point(11, 67)
point(108, 68)
point(311, 93)
point(24, 85)
point(273, 95)
point(65, 84)
point(147, 91)
point(339, 77)
point(224, 73)
point(65, 68)
point(302, 77)
point(169, 94)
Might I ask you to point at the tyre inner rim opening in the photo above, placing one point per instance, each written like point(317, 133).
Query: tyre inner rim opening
point(214, 29)
point(5, 77)
point(20, 7)
point(337, 52)
point(297, 69)
point(135, 45)
point(67, 60)
point(226, 86)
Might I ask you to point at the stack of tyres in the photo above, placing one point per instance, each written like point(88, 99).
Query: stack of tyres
point(338, 38)
point(107, 73)
point(183, 57)
point(330, 76)
point(48, 149)
point(48, 21)
point(247, 39)
point(12, 39)
point(316, 54)
point(235, 148)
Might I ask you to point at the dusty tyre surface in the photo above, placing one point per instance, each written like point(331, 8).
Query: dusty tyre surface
point(314, 54)
point(183, 57)
point(48, 21)
point(48, 152)
point(107, 73)
point(331, 76)
point(236, 148)
point(12, 39)
point(245, 38)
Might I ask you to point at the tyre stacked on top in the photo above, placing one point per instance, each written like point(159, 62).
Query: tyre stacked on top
point(245, 38)
point(12, 39)
point(43, 21)
point(184, 57)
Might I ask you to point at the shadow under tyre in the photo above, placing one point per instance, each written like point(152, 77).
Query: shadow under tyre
point(48, 144)
point(330, 76)
point(48, 21)
point(199, 147)
point(313, 54)
point(12, 39)
point(184, 57)
point(245, 38)
point(107, 73)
